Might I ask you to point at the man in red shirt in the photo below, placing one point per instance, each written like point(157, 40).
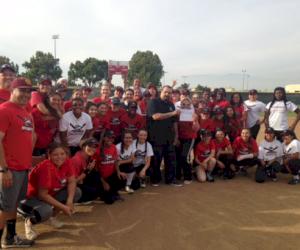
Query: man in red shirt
point(7, 75)
point(16, 125)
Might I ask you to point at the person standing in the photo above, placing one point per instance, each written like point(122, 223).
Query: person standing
point(255, 107)
point(16, 125)
point(7, 75)
point(163, 135)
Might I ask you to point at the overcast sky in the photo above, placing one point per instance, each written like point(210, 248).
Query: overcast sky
point(207, 42)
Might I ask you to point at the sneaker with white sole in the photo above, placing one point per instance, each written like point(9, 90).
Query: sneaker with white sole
point(30, 233)
point(187, 182)
point(17, 242)
point(129, 190)
point(54, 222)
point(143, 183)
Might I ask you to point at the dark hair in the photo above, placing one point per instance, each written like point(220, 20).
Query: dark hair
point(55, 145)
point(122, 140)
point(283, 97)
point(131, 90)
point(119, 89)
point(89, 105)
point(47, 104)
point(102, 103)
point(137, 140)
point(77, 99)
point(241, 99)
point(289, 132)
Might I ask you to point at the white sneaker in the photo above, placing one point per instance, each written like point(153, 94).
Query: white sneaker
point(187, 182)
point(30, 233)
point(129, 190)
point(54, 222)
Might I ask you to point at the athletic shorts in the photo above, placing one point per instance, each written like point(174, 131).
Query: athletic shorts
point(11, 196)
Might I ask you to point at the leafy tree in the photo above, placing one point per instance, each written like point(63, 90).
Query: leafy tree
point(145, 66)
point(185, 86)
point(6, 60)
point(42, 64)
point(90, 71)
point(199, 88)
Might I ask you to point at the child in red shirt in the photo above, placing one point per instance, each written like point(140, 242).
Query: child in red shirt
point(51, 188)
point(205, 122)
point(205, 157)
point(224, 154)
point(245, 151)
point(87, 176)
point(111, 179)
point(218, 119)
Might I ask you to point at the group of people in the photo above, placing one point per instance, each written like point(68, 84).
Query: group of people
point(91, 148)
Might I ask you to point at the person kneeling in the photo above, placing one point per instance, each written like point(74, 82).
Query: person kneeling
point(51, 189)
point(205, 157)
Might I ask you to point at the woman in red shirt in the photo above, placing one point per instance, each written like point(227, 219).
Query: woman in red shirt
point(231, 124)
point(218, 119)
point(205, 122)
point(224, 154)
point(236, 101)
point(87, 176)
point(205, 157)
point(245, 151)
point(46, 125)
point(51, 188)
point(112, 180)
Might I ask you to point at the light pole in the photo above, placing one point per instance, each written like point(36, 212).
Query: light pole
point(244, 72)
point(55, 37)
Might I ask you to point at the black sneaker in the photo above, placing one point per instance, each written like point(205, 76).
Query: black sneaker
point(17, 242)
point(177, 183)
point(294, 181)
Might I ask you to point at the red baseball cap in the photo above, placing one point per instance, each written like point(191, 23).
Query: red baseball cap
point(21, 83)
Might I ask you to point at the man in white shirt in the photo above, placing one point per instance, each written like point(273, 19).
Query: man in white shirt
point(74, 126)
point(255, 108)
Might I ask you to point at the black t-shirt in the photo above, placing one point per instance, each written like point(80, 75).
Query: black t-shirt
point(160, 131)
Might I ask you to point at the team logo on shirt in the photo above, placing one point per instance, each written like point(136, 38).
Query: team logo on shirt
point(108, 159)
point(206, 153)
point(271, 150)
point(115, 121)
point(77, 129)
point(244, 151)
point(27, 123)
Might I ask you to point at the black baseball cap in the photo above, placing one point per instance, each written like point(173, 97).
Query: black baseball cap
point(269, 131)
point(132, 104)
point(7, 67)
point(218, 111)
point(115, 101)
point(89, 142)
point(205, 111)
point(109, 133)
point(205, 132)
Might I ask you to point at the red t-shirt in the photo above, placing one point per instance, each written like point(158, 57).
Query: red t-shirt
point(203, 150)
point(132, 124)
point(98, 99)
point(68, 105)
point(240, 147)
point(143, 106)
point(207, 124)
point(185, 130)
point(17, 125)
point(100, 123)
point(115, 120)
point(36, 98)
point(78, 163)
point(218, 124)
point(233, 128)
point(47, 176)
point(4, 95)
point(221, 145)
point(45, 129)
point(106, 162)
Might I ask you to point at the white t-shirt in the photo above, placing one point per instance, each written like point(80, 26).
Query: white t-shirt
point(292, 148)
point(270, 150)
point(141, 153)
point(74, 127)
point(254, 110)
point(126, 152)
point(278, 119)
point(178, 105)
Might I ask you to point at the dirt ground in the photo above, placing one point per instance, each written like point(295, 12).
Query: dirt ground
point(231, 214)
